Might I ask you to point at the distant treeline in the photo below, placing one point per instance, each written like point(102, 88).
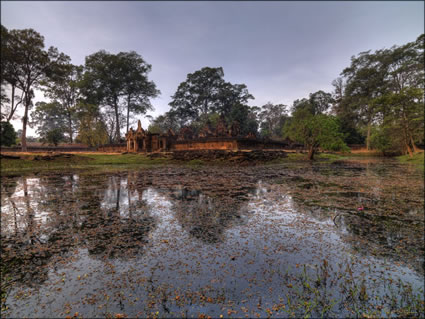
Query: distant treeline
point(377, 100)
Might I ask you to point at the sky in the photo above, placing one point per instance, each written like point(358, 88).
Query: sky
point(282, 50)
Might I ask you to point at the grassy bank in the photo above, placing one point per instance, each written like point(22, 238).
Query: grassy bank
point(417, 159)
point(36, 162)
point(31, 163)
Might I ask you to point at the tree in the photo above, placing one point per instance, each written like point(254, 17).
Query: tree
point(8, 134)
point(402, 103)
point(403, 122)
point(109, 119)
point(315, 131)
point(365, 81)
point(245, 116)
point(318, 103)
point(231, 96)
point(102, 83)
point(272, 118)
point(349, 121)
point(65, 93)
point(92, 129)
point(109, 78)
point(49, 117)
point(8, 61)
point(163, 123)
point(54, 136)
point(31, 65)
point(204, 93)
point(137, 88)
point(198, 95)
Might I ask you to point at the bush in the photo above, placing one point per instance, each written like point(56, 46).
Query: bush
point(8, 134)
point(387, 140)
point(54, 137)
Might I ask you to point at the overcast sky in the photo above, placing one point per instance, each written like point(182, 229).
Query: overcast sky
point(281, 50)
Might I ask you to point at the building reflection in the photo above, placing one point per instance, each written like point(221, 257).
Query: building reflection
point(110, 215)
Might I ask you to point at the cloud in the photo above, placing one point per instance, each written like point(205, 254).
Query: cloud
point(281, 50)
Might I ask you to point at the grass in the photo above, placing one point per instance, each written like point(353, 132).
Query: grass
point(417, 159)
point(26, 163)
point(195, 162)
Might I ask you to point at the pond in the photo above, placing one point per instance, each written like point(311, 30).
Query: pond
point(284, 240)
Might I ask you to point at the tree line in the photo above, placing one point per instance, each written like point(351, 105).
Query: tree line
point(89, 104)
point(377, 100)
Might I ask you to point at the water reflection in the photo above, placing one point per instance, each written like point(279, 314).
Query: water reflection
point(201, 229)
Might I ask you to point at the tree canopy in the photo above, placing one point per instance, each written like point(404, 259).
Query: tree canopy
point(111, 78)
point(315, 131)
point(378, 98)
point(27, 66)
point(204, 92)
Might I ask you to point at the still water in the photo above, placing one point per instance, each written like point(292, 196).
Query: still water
point(322, 239)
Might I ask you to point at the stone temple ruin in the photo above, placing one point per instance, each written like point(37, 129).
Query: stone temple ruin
point(208, 138)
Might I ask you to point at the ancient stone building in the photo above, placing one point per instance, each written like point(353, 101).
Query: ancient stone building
point(141, 141)
point(208, 138)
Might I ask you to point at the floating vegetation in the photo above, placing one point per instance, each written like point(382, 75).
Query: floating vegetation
point(283, 240)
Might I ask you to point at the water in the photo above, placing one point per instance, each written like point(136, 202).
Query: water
point(321, 239)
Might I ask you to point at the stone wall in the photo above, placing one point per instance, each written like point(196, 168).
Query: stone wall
point(259, 144)
point(39, 149)
point(207, 144)
point(113, 148)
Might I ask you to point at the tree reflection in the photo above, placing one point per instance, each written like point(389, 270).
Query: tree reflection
point(370, 233)
point(111, 230)
point(49, 216)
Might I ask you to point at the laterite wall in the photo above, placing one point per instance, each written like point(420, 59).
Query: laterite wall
point(205, 145)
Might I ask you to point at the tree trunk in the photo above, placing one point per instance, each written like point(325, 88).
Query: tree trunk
point(406, 143)
point(415, 148)
point(24, 123)
point(408, 131)
point(128, 111)
point(117, 124)
point(12, 104)
point(70, 128)
point(409, 150)
point(311, 153)
point(368, 136)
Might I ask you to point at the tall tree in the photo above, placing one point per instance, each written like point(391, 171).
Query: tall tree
point(205, 92)
point(32, 64)
point(102, 83)
point(272, 118)
point(230, 96)
point(404, 118)
point(349, 119)
point(8, 60)
point(402, 103)
point(365, 81)
point(199, 94)
point(109, 78)
point(63, 89)
point(137, 88)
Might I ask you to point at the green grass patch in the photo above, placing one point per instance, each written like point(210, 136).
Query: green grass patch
point(195, 162)
point(417, 159)
point(331, 156)
point(301, 157)
point(27, 163)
